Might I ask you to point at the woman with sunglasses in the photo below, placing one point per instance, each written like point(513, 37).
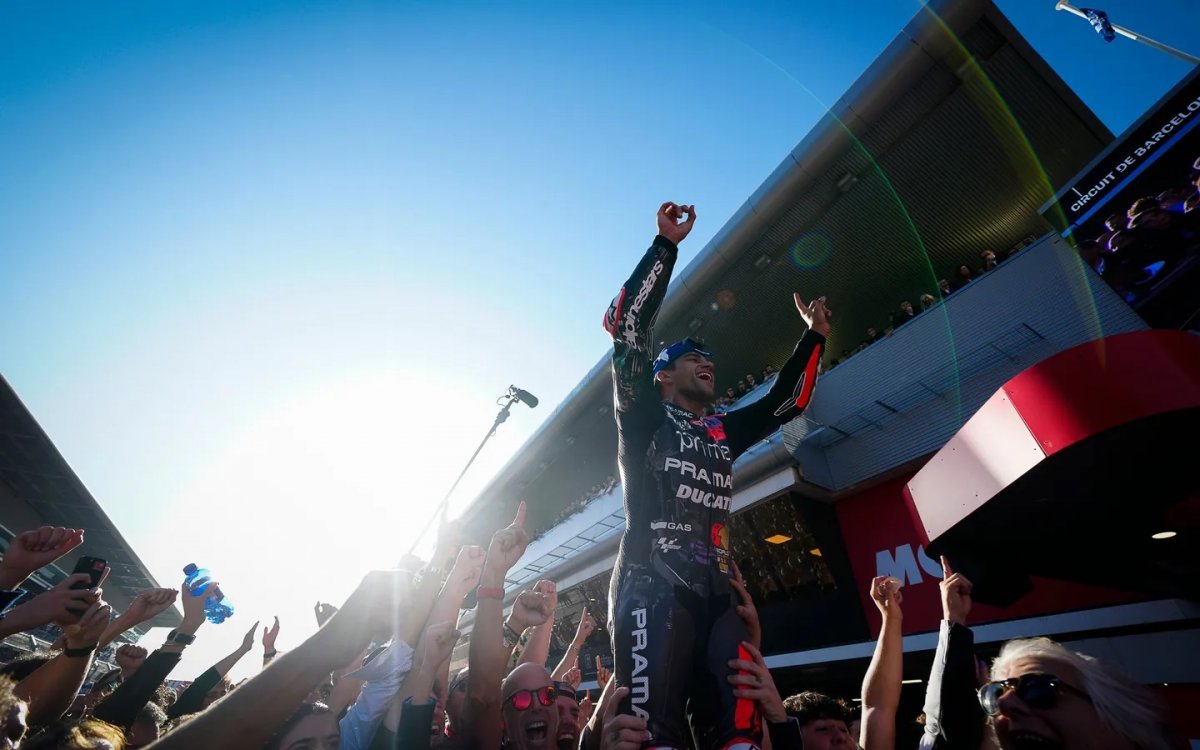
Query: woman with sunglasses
point(1043, 695)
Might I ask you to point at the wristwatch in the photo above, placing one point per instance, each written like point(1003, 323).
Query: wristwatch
point(180, 638)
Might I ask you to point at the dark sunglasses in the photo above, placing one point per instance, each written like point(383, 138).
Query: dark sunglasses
point(523, 699)
point(1038, 691)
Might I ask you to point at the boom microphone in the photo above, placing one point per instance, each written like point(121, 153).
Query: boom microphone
point(526, 397)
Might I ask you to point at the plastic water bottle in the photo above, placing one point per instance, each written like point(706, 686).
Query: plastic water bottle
point(216, 607)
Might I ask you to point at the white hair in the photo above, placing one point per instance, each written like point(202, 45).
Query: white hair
point(1124, 706)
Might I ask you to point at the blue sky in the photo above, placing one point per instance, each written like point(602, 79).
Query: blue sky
point(266, 266)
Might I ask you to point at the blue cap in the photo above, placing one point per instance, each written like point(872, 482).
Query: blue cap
point(677, 350)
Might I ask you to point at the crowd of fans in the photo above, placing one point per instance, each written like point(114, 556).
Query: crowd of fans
point(376, 674)
point(746, 384)
point(597, 491)
point(1157, 234)
point(906, 311)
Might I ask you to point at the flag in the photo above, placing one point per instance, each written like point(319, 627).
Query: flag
point(1100, 22)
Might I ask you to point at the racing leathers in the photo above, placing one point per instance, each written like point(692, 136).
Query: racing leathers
point(671, 609)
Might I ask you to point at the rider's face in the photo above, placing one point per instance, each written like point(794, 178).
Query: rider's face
point(692, 376)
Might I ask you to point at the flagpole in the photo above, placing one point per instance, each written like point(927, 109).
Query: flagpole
point(1180, 54)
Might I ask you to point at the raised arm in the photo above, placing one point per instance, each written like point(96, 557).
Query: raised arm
point(630, 317)
point(32, 550)
point(792, 391)
point(953, 718)
point(570, 658)
point(882, 682)
point(122, 707)
point(248, 716)
point(488, 651)
point(537, 649)
point(144, 607)
point(192, 699)
point(52, 688)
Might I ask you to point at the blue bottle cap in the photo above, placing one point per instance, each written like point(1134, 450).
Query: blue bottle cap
point(189, 569)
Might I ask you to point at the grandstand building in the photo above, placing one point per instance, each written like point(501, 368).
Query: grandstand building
point(38, 488)
point(926, 441)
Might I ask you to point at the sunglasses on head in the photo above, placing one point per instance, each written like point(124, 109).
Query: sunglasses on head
point(523, 699)
point(1038, 691)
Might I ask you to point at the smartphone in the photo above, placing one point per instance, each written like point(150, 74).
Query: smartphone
point(93, 567)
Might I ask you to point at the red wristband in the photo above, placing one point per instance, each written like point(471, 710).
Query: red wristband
point(484, 592)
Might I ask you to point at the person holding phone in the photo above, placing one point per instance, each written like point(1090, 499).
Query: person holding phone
point(672, 609)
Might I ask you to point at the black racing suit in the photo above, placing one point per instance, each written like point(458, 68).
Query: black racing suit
point(671, 609)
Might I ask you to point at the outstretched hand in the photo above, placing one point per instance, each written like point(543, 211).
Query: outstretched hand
point(269, 635)
point(603, 673)
point(323, 612)
point(885, 592)
point(532, 608)
point(150, 603)
point(248, 638)
point(31, 550)
point(816, 314)
point(752, 680)
point(671, 222)
point(508, 544)
point(956, 594)
point(746, 609)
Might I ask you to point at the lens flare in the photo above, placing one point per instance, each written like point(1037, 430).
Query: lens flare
point(811, 251)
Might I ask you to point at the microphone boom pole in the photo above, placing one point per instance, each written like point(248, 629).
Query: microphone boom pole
point(513, 395)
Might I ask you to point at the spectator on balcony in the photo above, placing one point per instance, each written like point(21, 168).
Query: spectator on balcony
point(963, 275)
point(1113, 224)
point(1092, 253)
point(905, 314)
point(989, 260)
point(873, 335)
point(1193, 200)
point(944, 288)
point(927, 301)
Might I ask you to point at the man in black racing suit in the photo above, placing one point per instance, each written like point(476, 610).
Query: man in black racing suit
point(671, 608)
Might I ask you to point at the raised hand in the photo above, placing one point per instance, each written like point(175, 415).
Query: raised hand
point(193, 603)
point(437, 644)
point(620, 731)
point(468, 566)
point(248, 638)
point(956, 594)
point(323, 612)
point(573, 677)
point(33, 550)
point(86, 632)
point(753, 681)
point(815, 314)
point(671, 223)
point(746, 609)
point(62, 605)
point(603, 673)
point(585, 710)
point(508, 544)
point(886, 593)
point(130, 658)
point(269, 635)
point(370, 611)
point(587, 626)
point(148, 604)
point(531, 609)
point(550, 590)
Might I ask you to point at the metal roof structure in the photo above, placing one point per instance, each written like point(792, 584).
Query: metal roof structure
point(38, 487)
point(946, 146)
